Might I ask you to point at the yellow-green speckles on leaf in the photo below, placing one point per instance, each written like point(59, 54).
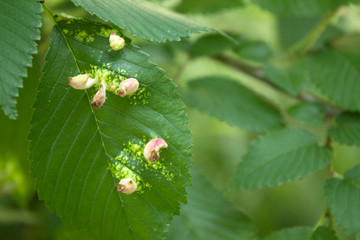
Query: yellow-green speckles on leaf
point(105, 32)
point(65, 31)
point(130, 163)
point(140, 96)
point(83, 35)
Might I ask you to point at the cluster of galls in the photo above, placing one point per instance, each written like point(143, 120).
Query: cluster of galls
point(151, 153)
point(126, 87)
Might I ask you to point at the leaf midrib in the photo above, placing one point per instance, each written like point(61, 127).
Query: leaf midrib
point(96, 120)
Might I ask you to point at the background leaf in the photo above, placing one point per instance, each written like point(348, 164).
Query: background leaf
point(142, 18)
point(302, 7)
point(279, 157)
point(343, 198)
point(19, 28)
point(296, 233)
point(337, 77)
point(206, 6)
point(233, 103)
point(324, 233)
point(308, 112)
point(74, 147)
point(208, 215)
point(347, 129)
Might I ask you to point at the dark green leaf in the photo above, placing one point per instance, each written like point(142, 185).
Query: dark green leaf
point(211, 44)
point(142, 18)
point(208, 215)
point(324, 233)
point(290, 77)
point(79, 153)
point(206, 6)
point(302, 7)
point(337, 77)
point(307, 112)
point(343, 198)
point(256, 51)
point(19, 29)
point(296, 233)
point(347, 129)
point(233, 103)
point(280, 157)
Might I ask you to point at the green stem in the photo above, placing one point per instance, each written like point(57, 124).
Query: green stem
point(49, 13)
point(321, 221)
point(301, 47)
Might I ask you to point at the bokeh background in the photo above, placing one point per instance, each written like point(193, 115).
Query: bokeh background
point(218, 147)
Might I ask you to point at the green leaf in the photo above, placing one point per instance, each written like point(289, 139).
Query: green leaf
point(296, 233)
point(290, 77)
point(347, 129)
point(208, 215)
point(337, 77)
point(308, 112)
point(206, 6)
point(324, 233)
point(142, 18)
point(279, 157)
point(212, 44)
point(19, 28)
point(302, 7)
point(233, 103)
point(78, 154)
point(343, 198)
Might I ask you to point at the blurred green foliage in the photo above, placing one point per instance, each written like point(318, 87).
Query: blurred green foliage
point(218, 146)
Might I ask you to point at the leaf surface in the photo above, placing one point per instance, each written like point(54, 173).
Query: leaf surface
point(308, 112)
point(229, 101)
point(347, 129)
point(324, 233)
point(296, 233)
point(142, 18)
point(343, 198)
point(337, 77)
point(279, 157)
point(208, 215)
point(302, 7)
point(19, 29)
point(206, 6)
point(78, 154)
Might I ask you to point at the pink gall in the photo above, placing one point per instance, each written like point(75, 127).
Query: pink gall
point(152, 148)
point(127, 186)
point(100, 96)
point(127, 87)
point(82, 81)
